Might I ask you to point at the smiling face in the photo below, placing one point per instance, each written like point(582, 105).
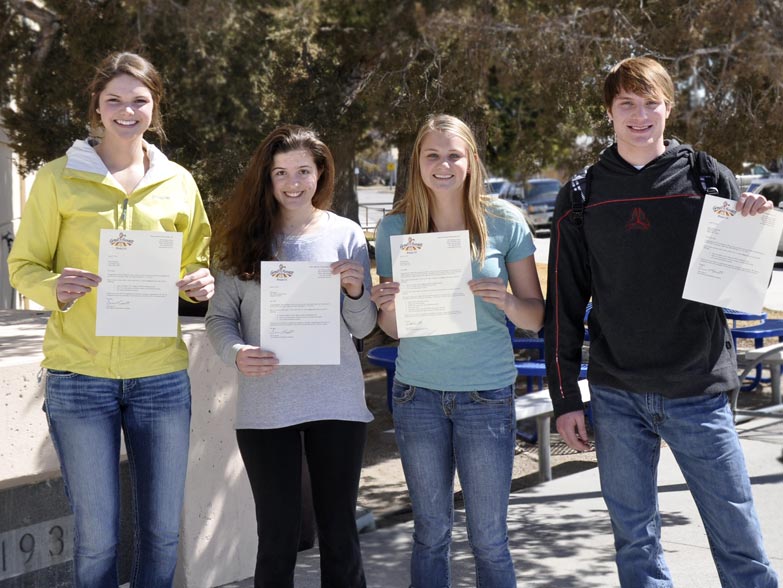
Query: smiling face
point(639, 122)
point(126, 108)
point(444, 163)
point(294, 177)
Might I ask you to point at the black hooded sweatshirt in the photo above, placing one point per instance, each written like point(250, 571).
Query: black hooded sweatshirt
point(631, 255)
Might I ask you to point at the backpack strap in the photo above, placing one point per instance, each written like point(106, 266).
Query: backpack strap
point(580, 192)
point(705, 168)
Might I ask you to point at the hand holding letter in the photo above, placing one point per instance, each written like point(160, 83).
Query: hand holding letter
point(733, 252)
point(751, 204)
point(383, 295)
point(433, 270)
point(351, 276)
point(254, 361)
point(491, 290)
point(198, 285)
point(74, 283)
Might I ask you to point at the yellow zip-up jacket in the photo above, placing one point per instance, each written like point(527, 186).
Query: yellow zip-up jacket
point(71, 200)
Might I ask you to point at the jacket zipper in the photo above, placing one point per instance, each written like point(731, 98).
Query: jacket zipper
point(124, 215)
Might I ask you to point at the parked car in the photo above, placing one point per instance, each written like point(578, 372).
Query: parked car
point(757, 185)
point(512, 192)
point(492, 186)
point(752, 173)
point(536, 197)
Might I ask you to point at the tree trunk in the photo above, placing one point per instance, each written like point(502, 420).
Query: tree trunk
point(346, 202)
point(404, 150)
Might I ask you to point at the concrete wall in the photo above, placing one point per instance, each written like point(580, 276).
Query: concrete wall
point(218, 523)
point(218, 540)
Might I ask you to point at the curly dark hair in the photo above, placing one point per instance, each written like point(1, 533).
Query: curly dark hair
point(247, 230)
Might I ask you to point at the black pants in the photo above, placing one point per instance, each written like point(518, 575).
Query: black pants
point(273, 460)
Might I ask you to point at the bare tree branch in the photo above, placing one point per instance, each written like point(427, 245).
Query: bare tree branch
point(47, 21)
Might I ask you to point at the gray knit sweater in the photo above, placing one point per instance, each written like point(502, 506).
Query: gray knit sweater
point(297, 393)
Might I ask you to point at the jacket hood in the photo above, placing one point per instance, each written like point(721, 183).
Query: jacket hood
point(82, 157)
point(617, 165)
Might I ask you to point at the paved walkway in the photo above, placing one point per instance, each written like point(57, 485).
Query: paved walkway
point(560, 533)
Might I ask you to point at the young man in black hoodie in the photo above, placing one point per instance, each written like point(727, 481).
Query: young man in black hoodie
point(661, 367)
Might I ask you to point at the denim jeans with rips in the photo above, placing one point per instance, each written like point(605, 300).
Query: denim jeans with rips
point(700, 432)
point(474, 433)
point(85, 415)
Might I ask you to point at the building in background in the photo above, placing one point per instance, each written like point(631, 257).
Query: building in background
point(13, 194)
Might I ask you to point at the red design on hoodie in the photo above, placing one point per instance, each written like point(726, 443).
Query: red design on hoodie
point(638, 221)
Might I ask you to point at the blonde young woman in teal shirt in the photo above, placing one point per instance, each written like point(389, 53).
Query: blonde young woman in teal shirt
point(454, 394)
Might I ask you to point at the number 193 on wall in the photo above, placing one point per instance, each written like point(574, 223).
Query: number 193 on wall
point(36, 547)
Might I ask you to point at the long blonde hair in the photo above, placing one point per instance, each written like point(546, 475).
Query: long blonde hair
point(417, 201)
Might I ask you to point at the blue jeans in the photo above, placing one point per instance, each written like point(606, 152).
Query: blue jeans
point(473, 432)
point(700, 432)
point(85, 417)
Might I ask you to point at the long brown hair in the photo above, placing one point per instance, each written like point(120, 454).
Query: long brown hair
point(416, 202)
point(133, 65)
point(247, 231)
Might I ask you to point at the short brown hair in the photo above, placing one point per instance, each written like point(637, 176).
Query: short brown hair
point(640, 75)
point(133, 65)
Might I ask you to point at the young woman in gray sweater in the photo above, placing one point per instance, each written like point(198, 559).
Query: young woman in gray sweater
point(279, 211)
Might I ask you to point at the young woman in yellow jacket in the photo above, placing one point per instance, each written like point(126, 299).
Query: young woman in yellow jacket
point(96, 386)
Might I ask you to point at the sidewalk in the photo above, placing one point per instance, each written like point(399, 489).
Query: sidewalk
point(561, 537)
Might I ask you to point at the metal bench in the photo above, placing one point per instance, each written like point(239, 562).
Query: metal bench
point(538, 405)
point(772, 328)
point(770, 357)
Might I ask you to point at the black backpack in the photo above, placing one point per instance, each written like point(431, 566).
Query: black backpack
point(703, 166)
